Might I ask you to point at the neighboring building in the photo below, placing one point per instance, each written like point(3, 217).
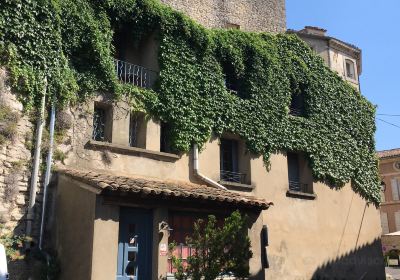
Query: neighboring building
point(389, 169)
point(342, 57)
point(121, 184)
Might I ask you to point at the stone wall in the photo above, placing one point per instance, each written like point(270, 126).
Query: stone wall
point(15, 162)
point(15, 171)
point(250, 15)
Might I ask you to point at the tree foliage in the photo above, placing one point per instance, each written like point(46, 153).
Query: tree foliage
point(217, 250)
point(70, 43)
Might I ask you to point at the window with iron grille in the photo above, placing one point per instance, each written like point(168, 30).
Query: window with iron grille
point(229, 162)
point(296, 174)
point(99, 124)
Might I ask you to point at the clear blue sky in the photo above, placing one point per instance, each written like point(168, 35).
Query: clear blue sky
point(373, 26)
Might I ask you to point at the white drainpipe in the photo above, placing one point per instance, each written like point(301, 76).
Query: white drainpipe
point(197, 172)
point(36, 161)
point(48, 171)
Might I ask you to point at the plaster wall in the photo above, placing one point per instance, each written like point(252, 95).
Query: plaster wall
point(338, 64)
point(105, 241)
point(74, 227)
point(305, 235)
point(255, 15)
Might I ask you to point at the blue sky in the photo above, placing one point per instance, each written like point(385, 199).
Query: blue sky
point(373, 26)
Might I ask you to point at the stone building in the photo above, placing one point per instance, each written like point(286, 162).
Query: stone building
point(342, 57)
point(120, 183)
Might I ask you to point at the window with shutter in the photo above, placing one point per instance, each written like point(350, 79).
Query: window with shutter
point(384, 223)
point(395, 189)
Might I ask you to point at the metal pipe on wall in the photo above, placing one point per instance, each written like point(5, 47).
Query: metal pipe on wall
point(36, 162)
point(48, 172)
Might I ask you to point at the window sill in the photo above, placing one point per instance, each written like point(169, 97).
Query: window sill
point(303, 195)
point(133, 151)
point(237, 186)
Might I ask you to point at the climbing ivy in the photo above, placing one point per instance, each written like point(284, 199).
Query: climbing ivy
point(70, 42)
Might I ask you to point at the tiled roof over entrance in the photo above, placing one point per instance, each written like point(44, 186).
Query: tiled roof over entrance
point(162, 188)
point(389, 153)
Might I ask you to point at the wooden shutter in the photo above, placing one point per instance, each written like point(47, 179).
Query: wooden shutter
point(395, 190)
point(384, 223)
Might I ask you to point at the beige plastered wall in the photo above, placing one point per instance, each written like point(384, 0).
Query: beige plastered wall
point(304, 235)
point(74, 223)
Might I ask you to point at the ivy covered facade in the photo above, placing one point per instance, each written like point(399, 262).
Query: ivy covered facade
point(209, 83)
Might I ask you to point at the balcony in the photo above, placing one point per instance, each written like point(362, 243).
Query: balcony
point(136, 75)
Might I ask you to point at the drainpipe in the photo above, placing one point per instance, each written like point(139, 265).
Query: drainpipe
point(48, 171)
point(36, 161)
point(197, 172)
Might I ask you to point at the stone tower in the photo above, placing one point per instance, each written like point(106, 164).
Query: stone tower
point(248, 15)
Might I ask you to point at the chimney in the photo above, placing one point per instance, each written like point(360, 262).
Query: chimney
point(313, 30)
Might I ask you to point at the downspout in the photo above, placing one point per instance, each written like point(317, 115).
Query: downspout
point(48, 172)
point(36, 161)
point(197, 173)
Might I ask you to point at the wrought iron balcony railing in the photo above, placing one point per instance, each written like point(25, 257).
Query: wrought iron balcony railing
point(235, 177)
point(298, 187)
point(135, 74)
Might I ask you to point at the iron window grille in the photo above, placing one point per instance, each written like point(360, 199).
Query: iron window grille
point(234, 177)
point(99, 124)
point(133, 130)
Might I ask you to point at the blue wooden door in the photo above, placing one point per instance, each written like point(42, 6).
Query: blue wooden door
point(135, 244)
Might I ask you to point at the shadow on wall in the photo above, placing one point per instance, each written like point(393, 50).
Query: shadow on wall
point(365, 262)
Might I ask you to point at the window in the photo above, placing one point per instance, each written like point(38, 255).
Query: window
point(384, 223)
point(232, 162)
point(299, 174)
point(165, 145)
point(231, 80)
point(297, 104)
point(395, 189)
point(350, 69)
point(137, 130)
point(101, 123)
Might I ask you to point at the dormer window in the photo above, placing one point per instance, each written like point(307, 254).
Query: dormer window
point(350, 69)
point(297, 104)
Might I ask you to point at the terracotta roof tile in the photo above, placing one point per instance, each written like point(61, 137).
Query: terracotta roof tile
point(389, 153)
point(179, 189)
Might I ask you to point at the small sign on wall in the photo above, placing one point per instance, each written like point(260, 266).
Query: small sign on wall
point(163, 249)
